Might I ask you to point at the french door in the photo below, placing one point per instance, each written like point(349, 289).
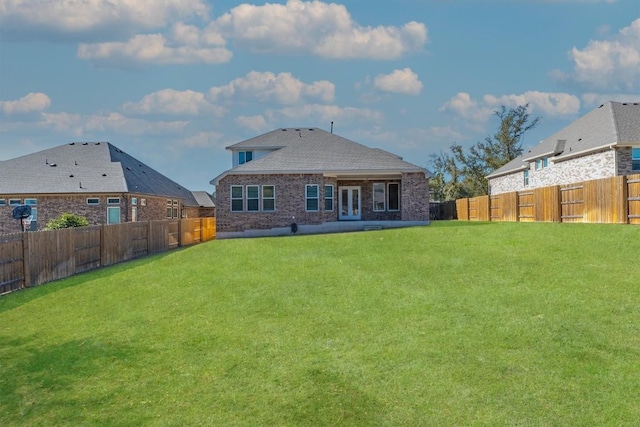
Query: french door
point(349, 201)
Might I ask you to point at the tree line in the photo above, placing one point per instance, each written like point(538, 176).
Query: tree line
point(461, 173)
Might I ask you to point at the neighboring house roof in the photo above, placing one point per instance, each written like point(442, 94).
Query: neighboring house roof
point(313, 150)
point(611, 124)
point(86, 167)
point(203, 199)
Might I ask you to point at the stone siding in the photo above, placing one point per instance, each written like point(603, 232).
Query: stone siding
point(597, 165)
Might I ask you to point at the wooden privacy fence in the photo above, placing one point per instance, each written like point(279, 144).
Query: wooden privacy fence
point(33, 258)
point(614, 200)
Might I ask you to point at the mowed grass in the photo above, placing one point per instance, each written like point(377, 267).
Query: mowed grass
point(456, 323)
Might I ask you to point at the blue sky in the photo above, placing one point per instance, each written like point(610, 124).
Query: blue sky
point(173, 82)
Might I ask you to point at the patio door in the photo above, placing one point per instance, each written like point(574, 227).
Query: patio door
point(349, 201)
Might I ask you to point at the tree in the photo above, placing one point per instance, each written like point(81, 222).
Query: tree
point(447, 182)
point(67, 220)
point(466, 171)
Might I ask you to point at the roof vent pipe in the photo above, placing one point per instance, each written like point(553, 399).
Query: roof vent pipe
point(331, 127)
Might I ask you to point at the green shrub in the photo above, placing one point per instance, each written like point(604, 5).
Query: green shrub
point(67, 220)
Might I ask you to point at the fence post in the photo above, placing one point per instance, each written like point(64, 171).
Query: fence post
point(26, 272)
point(103, 249)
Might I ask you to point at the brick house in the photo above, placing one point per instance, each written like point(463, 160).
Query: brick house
point(603, 143)
point(318, 181)
point(93, 179)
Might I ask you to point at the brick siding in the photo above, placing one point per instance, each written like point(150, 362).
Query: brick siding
point(290, 201)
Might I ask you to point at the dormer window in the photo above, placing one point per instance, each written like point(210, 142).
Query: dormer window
point(244, 157)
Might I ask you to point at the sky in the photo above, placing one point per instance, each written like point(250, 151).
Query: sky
point(174, 82)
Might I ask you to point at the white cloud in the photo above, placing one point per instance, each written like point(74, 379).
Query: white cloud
point(323, 29)
point(592, 99)
point(80, 125)
point(322, 115)
point(93, 19)
point(253, 123)
point(173, 102)
point(403, 81)
point(282, 88)
point(155, 49)
point(30, 103)
point(462, 105)
point(202, 140)
point(552, 104)
point(609, 64)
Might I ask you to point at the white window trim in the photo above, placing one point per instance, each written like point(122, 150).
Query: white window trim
point(12, 202)
point(93, 198)
point(332, 198)
point(384, 196)
point(119, 214)
point(111, 202)
point(307, 198)
point(262, 199)
point(231, 198)
point(257, 198)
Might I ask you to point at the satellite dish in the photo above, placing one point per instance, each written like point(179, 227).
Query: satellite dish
point(21, 212)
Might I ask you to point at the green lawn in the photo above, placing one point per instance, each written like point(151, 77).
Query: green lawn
point(456, 323)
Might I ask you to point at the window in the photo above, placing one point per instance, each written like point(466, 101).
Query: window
point(268, 198)
point(175, 208)
point(134, 201)
point(92, 201)
point(635, 159)
point(526, 177)
point(113, 201)
point(542, 163)
point(34, 219)
point(253, 203)
point(113, 215)
point(312, 200)
point(169, 209)
point(237, 195)
point(134, 213)
point(143, 202)
point(378, 197)
point(15, 202)
point(328, 197)
point(31, 202)
point(394, 196)
point(3, 202)
point(244, 157)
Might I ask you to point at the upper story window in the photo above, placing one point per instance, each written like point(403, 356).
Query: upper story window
point(93, 201)
point(526, 177)
point(15, 202)
point(113, 201)
point(542, 163)
point(244, 157)
point(635, 159)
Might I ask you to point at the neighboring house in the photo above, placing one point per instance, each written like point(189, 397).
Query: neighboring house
point(318, 181)
point(93, 179)
point(603, 143)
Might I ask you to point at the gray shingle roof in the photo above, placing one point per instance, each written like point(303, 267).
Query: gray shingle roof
point(203, 199)
point(611, 124)
point(313, 150)
point(86, 167)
